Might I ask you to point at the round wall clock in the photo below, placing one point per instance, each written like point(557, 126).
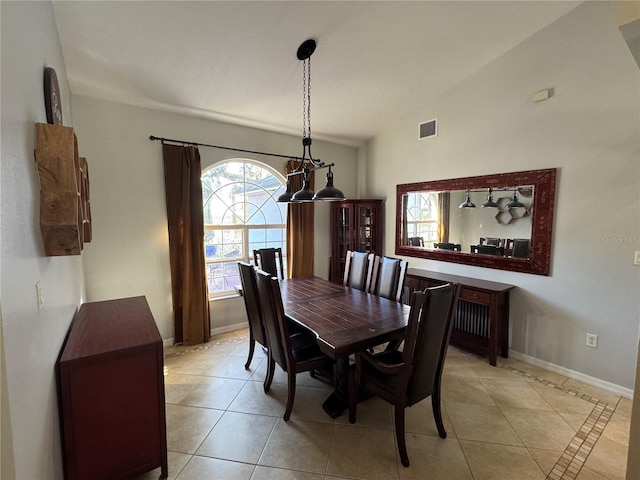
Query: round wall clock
point(52, 100)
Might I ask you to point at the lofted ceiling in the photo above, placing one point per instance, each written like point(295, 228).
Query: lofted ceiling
point(235, 61)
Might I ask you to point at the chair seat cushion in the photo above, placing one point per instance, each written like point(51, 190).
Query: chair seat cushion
point(304, 347)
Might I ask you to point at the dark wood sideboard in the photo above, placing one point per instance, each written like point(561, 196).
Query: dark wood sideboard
point(111, 392)
point(482, 320)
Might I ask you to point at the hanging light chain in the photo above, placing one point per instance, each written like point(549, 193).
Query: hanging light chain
point(309, 95)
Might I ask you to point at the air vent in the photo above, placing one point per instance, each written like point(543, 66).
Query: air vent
point(428, 129)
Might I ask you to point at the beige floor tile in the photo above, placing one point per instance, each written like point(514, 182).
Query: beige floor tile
point(225, 337)
point(540, 428)
point(260, 373)
point(546, 459)
point(464, 389)
point(515, 392)
point(594, 392)
point(175, 462)
point(214, 392)
point(372, 412)
point(200, 468)
point(419, 419)
point(307, 404)
point(233, 367)
point(458, 365)
point(241, 349)
point(624, 407)
point(538, 372)
point(192, 363)
point(608, 458)
point(239, 437)
point(561, 401)
point(481, 423)
point(178, 385)
point(298, 445)
point(617, 429)
point(187, 427)
point(500, 462)
point(269, 473)
point(361, 452)
point(488, 371)
point(588, 474)
point(252, 399)
point(575, 420)
point(224, 348)
point(434, 458)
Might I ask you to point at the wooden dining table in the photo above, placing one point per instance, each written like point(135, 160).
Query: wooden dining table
point(345, 321)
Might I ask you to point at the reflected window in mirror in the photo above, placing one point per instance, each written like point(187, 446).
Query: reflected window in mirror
point(427, 218)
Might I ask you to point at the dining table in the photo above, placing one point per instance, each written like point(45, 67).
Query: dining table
point(345, 321)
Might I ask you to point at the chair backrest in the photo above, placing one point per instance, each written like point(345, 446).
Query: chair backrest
point(357, 270)
point(416, 242)
point(427, 338)
point(269, 260)
point(520, 248)
point(251, 302)
point(388, 277)
point(496, 242)
point(487, 250)
point(456, 247)
point(274, 320)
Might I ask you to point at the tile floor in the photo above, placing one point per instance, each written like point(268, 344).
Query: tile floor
point(511, 422)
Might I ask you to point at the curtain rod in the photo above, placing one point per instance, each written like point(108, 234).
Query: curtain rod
point(196, 144)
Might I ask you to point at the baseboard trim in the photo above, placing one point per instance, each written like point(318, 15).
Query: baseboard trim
point(581, 377)
point(214, 331)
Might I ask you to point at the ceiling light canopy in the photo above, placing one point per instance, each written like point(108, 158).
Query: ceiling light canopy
point(307, 162)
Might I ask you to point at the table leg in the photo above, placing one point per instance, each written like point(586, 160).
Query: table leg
point(338, 401)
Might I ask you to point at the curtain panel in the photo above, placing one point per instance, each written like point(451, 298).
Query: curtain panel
point(444, 209)
point(183, 192)
point(300, 229)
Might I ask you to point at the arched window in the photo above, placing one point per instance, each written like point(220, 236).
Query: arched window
point(422, 217)
point(240, 215)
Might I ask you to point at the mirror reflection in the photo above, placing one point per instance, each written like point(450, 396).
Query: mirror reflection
point(480, 221)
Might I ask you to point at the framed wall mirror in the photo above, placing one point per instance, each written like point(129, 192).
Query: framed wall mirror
point(501, 221)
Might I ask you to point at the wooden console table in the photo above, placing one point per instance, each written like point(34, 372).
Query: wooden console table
point(111, 392)
point(482, 321)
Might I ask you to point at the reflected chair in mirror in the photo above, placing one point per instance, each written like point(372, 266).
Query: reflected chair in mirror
point(252, 306)
point(294, 353)
point(416, 242)
point(270, 260)
point(403, 378)
point(520, 248)
point(387, 278)
point(496, 242)
point(358, 269)
point(456, 247)
point(487, 250)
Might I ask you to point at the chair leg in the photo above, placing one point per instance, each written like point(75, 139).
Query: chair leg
point(402, 445)
point(271, 366)
point(437, 413)
point(291, 393)
point(252, 346)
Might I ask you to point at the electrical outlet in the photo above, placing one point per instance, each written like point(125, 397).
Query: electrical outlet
point(592, 340)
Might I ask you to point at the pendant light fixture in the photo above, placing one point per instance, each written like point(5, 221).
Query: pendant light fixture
point(489, 203)
point(467, 202)
point(514, 203)
point(307, 162)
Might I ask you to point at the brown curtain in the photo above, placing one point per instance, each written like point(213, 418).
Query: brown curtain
point(444, 208)
point(300, 221)
point(183, 192)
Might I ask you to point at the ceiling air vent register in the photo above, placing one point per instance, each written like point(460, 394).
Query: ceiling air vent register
point(428, 129)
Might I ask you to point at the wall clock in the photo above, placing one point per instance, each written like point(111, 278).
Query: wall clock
point(52, 100)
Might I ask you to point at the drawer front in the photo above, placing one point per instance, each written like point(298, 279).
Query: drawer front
point(475, 296)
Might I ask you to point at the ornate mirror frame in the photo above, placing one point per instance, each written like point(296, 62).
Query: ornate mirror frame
point(539, 261)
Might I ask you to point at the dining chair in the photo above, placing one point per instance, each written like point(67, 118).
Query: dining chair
point(520, 248)
point(403, 378)
point(388, 277)
point(269, 260)
point(252, 306)
point(416, 242)
point(496, 242)
point(295, 353)
point(456, 247)
point(358, 269)
point(487, 250)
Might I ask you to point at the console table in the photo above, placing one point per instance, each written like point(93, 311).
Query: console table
point(482, 320)
point(111, 392)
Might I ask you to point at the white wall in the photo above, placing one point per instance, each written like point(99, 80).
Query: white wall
point(129, 253)
point(589, 131)
point(31, 341)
